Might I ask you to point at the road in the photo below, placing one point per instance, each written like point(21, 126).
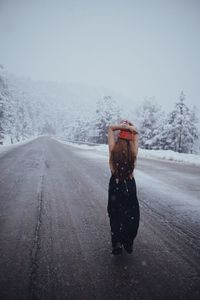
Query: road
point(55, 234)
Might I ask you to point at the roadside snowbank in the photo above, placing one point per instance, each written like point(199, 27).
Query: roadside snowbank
point(171, 155)
point(5, 148)
point(154, 154)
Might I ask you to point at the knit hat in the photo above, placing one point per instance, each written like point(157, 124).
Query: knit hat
point(126, 134)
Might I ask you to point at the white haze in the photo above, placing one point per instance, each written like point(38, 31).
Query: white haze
point(137, 49)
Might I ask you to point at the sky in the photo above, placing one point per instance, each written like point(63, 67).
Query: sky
point(141, 49)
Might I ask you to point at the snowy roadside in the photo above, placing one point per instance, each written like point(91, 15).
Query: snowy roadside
point(170, 155)
point(152, 154)
point(103, 149)
point(6, 148)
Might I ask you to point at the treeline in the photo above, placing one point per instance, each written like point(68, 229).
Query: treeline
point(22, 115)
point(177, 130)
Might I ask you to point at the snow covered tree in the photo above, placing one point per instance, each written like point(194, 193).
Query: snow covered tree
point(107, 112)
point(180, 131)
point(6, 112)
point(79, 130)
point(2, 109)
point(195, 147)
point(149, 118)
point(22, 120)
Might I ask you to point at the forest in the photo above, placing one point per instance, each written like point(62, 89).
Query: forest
point(28, 110)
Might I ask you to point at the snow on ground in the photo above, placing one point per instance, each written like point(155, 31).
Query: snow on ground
point(171, 155)
point(6, 148)
point(154, 154)
point(103, 149)
point(183, 200)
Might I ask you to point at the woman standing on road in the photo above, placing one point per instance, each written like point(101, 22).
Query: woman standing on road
point(123, 206)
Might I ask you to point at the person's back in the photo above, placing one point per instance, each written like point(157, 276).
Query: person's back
point(123, 207)
point(122, 159)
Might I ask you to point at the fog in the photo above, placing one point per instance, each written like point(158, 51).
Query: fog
point(137, 49)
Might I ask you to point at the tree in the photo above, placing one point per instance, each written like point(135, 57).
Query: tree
point(149, 117)
point(6, 110)
point(2, 108)
point(107, 112)
point(180, 131)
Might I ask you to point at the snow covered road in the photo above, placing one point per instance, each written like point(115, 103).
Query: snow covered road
point(55, 235)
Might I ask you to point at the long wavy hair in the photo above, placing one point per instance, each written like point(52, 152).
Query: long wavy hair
point(123, 159)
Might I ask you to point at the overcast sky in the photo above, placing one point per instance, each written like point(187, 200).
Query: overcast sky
point(138, 48)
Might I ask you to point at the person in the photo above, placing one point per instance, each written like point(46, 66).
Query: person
point(123, 206)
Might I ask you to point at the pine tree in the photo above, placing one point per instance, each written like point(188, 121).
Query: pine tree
point(180, 132)
point(6, 117)
point(195, 145)
point(2, 108)
point(107, 112)
point(149, 117)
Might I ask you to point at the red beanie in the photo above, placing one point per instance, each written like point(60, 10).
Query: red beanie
point(126, 134)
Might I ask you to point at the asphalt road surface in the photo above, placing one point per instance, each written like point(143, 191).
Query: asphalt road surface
point(55, 234)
